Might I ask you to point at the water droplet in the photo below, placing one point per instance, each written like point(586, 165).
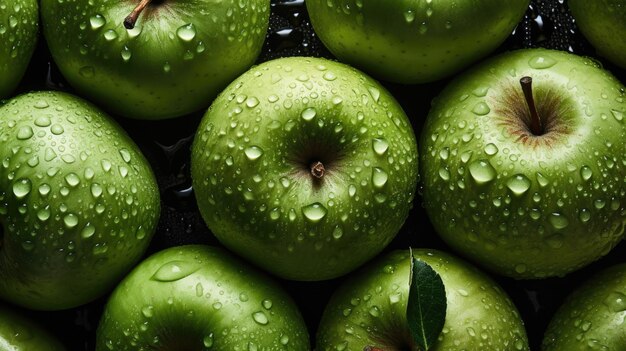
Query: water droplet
point(558, 220)
point(72, 179)
point(379, 177)
point(25, 133)
point(57, 129)
point(314, 212)
point(586, 173)
point(618, 115)
point(380, 146)
point(125, 155)
point(253, 152)
point(97, 21)
point(126, 54)
point(96, 190)
point(42, 121)
point(110, 35)
point(541, 62)
point(88, 231)
point(21, 188)
point(186, 32)
point(44, 214)
point(174, 270)
point(41, 104)
point(309, 113)
point(267, 304)
point(374, 311)
point(584, 215)
point(260, 317)
point(374, 93)
point(491, 149)
point(481, 109)
point(409, 16)
point(351, 190)
point(616, 302)
point(208, 341)
point(518, 184)
point(147, 311)
point(252, 102)
point(70, 220)
point(482, 171)
point(337, 232)
point(87, 71)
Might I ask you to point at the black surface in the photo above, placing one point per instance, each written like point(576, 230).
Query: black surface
point(166, 144)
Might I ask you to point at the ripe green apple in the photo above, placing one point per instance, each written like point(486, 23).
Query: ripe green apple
point(19, 23)
point(200, 298)
point(154, 60)
point(78, 202)
point(592, 317)
point(528, 195)
point(369, 309)
point(409, 41)
point(603, 23)
point(306, 167)
point(18, 333)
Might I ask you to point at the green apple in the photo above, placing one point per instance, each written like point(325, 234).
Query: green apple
point(78, 202)
point(528, 194)
point(18, 333)
point(603, 23)
point(409, 41)
point(306, 167)
point(19, 23)
point(370, 309)
point(154, 60)
point(200, 298)
point(592, 317)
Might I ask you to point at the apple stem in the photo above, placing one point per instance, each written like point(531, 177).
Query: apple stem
point(318, 170)
point(536, 127)
point(129, 22)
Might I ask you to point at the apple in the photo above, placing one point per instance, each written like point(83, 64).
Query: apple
point(528, 194)
point(154, 60)
point(200, 298)
point(19, 23)
point(592, 317)
point(407, 41)
point(78, 202)
point(306, 167)
point(19, 333)
point(603, 23)
point(369, 310)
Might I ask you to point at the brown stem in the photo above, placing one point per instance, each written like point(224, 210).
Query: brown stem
point(129, 22)
point(536, 127)
point(318, 171)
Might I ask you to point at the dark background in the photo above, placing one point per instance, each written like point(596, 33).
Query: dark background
point(166, 144)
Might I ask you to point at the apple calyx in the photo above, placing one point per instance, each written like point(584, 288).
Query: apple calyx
point(318, 171)
point(536, 125)
point(131, 20)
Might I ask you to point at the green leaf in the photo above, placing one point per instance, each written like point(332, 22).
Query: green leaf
point(426, 308)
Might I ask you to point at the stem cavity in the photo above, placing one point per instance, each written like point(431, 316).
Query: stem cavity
point(536, 126)
point(318, 171)
point(131, 20)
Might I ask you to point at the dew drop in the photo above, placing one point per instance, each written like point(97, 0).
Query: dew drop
point(314, 212)
point(481, 109)
point(260, 317)
point(586, 173)
point(379, 177)
point(110, 35)
point(380, 146)
point(174, 270)
point(186, 32)
point(97, 21)
point(21, 188)
point(25, 133)
point(253, 152)
point(72, 179)
point(308, 114)
point(88, 231)
point(491, 149)
point(616, 302)
point(541, 62)
point(482, 171)
point(70, 220)
point(618, 115)
point(518, 184)
point(558, 220)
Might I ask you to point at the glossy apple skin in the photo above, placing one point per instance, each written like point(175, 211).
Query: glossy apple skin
point(200, 298)
point(369, 309)
point(78, 202)
point(163, 68)
point(603, 23)
point(18, 333)
point(266, 207)
point(592, 317)
point(19, 24)
point(408, 41)
point(527, 207)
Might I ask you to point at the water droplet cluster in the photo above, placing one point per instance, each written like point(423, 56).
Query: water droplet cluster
point(375, 301)
point(554, 202)
point(251, 166)
point(77, 199)
point(220, 304)
point(193, 62)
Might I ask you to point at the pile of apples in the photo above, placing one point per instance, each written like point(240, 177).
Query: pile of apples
point(300, 173)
